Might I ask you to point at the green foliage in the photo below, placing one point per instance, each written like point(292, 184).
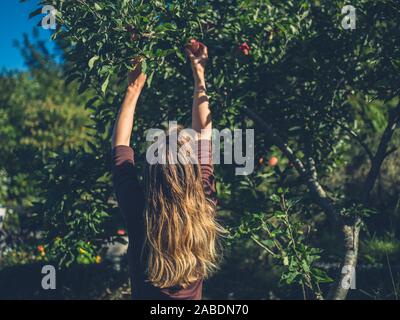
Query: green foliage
point(35, 119)
point(38, 116)
point(77, 217)
point(283, 234)
point(301, 71)
point(375, 250)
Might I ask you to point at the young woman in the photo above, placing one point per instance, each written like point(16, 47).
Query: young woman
point(170, 219)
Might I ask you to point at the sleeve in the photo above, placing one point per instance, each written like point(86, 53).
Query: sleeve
point(126, 184)
point(123, 165)
point(207, 169)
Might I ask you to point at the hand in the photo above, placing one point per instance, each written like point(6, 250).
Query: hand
point(136, 78)
point(197, 52)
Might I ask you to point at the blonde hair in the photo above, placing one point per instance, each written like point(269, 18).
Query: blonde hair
point(181, 230)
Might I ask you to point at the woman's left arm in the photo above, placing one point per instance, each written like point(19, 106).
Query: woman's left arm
point(124, 123)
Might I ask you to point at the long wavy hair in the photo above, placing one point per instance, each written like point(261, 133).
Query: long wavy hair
point(182, 233)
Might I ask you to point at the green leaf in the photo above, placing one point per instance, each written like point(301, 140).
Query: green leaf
point(180, 55)
point(305, 266)
point(285, 261)
point(150, 79)
point(92, 62)
point(268, 243)
point(97, 7)
point(144, 66)
point(275, 198)
point(105, 84)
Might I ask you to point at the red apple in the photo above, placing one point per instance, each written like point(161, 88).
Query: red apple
point(245, 48)
point(121, 232)
point(273, 161)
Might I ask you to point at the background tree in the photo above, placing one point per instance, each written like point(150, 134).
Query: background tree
point(38, 117)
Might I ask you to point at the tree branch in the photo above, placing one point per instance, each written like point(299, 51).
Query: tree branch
point(357, 138)
point(310, 177)
point(381, 153)
point(392, 150)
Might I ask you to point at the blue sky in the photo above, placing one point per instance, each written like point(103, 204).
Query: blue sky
point(14, 23)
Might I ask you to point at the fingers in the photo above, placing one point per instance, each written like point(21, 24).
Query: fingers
point(203, 49)
point(190, 54)
point(201, 52)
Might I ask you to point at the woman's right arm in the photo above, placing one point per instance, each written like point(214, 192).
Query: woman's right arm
point(123, 125)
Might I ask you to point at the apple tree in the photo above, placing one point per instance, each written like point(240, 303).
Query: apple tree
point(289, 69)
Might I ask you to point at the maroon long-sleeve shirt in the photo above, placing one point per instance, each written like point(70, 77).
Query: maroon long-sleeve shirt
point(131, 202)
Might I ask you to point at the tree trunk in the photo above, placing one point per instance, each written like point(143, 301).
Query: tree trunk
point(348, 266)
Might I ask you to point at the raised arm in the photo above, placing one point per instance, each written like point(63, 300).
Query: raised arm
point(124, 123)
point(201, 114)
